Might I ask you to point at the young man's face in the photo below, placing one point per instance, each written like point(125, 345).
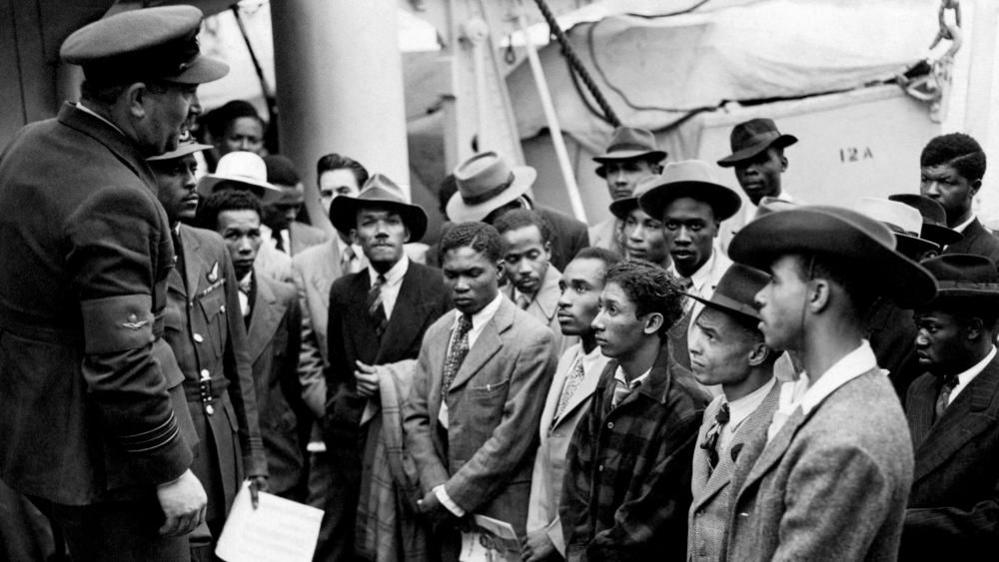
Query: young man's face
point(579, 303)
point(526, 258)
point(241, 232)
point(471, 277)
point(946, 186)
point(940, 342)
point(720, 348)
point(689, 228)
point(623, 175)
point(644, 238)
point(243, 133)
point(760, 176)
point(781, 303)
point(618, 328)
point(333, 183)
point(176, 187)
point(381, 234)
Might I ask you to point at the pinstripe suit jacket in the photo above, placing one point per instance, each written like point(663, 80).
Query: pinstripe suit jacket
point(708, 516)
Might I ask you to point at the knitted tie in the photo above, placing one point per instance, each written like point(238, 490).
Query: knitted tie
point(950, 381)
point(457, 349)
point(710, 444)
point(375, 307)
point(569, 388)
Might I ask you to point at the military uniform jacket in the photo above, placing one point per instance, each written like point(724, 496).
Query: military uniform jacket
point(205, 329)
point(84, 373)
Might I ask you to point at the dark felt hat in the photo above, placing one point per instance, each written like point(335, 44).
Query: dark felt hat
point(381, 192)
point(839, 233)
point(904, 221)
point(753, 137)
point(150, 43)
point(629, 143)
point(736, 291)
point(689, 178)
point(934, 218)
point(965, 277)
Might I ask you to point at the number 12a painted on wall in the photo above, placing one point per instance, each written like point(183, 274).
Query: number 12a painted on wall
point(854, 154)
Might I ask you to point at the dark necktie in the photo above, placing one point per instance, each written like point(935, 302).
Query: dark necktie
point(457, 349)
point(946, 388)
point(375, 307)
point(710, 444)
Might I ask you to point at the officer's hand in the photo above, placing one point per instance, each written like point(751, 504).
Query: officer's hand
point(366, 378)
point(258, 484)
point(537, 547)
point(183, 502)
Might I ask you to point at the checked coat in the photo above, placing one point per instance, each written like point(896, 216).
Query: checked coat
point(627, 488)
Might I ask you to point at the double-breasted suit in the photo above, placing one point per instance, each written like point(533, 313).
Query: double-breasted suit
point(954, 504)
point(711, 490)
point(205, 329)
point(484, 457)
point(273, 341)
point(830, 485)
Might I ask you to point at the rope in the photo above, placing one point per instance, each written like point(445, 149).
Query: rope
point(576, 65)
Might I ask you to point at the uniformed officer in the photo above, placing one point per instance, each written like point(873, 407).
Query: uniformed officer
point(95, 428)
point(205, 330)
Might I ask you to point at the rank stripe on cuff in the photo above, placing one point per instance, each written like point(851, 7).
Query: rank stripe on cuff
point(150, 439)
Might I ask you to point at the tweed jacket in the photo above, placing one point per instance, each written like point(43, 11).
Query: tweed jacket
point(556, 434)
point(708, 516)
point(830, 485)
point(544, 307)
point(273, 342)
point(954, 504)
point(977, 240)
point(205, 329)
point(569, 236)
point(484, 457)
point(627, 485)
point(86, 376)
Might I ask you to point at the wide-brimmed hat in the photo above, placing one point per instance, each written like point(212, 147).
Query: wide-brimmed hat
point(934, 218)
point(753, 137)
point(694, 179)
point(149, 43)
point(189, 146)
point(839, 233)
point(965, 277)
point(629, 143)
point(245, 169)
point(621, 208)
point(904, 221)
point(736, 291)
point(486, 182)
point(379, 192)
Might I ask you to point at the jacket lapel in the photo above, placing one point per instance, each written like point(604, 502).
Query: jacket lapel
point(407, 320)
point(267, 314)
point(583, 392)
point(194, 265)
point(487, 344)
point(963, 420)
point(774, 450)
point(919, 409)
point(363, 334)
point(701, 473)
point(547, 299)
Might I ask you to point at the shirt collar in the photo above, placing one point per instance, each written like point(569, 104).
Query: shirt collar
point(640, 379)
point(964, 225)
point(486, 314)
point(394, 275)
point(708, 273)
point(849, 367)
point(740, 409)
point(965, 377)
point(85, 109)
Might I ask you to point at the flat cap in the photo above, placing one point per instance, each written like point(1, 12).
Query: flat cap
point(158, 43)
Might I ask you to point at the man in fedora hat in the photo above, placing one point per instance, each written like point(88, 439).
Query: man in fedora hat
point(377, 318)
point(951, 171)
point(953, 412)
point(691, 206)
point(203, 326)
point(830, 477)
point(489, 186)
point(631, 155)
point(104, 446)
point(727, 349)
point(642, 235)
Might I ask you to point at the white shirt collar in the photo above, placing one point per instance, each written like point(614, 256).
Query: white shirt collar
point(85, 109)
point(640, 379)
point(964, 378)
point(394, 275)
point(739, 410)
point(708, 274)
point(964, 225)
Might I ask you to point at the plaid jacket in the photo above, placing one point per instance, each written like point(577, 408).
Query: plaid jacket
point(627, 487)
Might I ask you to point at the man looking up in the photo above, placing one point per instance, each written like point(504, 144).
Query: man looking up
point(106, 451)
point(832, 473)
point(727, 349)
point(627, 484)
point(951, 171)
point(568, 400)
point(631, 155)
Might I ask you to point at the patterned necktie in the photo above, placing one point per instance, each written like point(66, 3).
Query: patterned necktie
point(375, 307)
point(457, 349)
point(943, 398)
point(569, 388)
point(710, 444)
point(523, 301)
point(346, 259)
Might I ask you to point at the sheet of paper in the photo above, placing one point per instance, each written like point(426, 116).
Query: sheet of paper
point(493, 541)
point(279, 530)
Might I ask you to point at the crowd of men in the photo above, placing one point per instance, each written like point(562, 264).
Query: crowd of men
point(694, 378)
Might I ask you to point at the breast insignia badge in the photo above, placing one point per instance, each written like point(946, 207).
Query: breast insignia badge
point(213, 274)
point(133, 322)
